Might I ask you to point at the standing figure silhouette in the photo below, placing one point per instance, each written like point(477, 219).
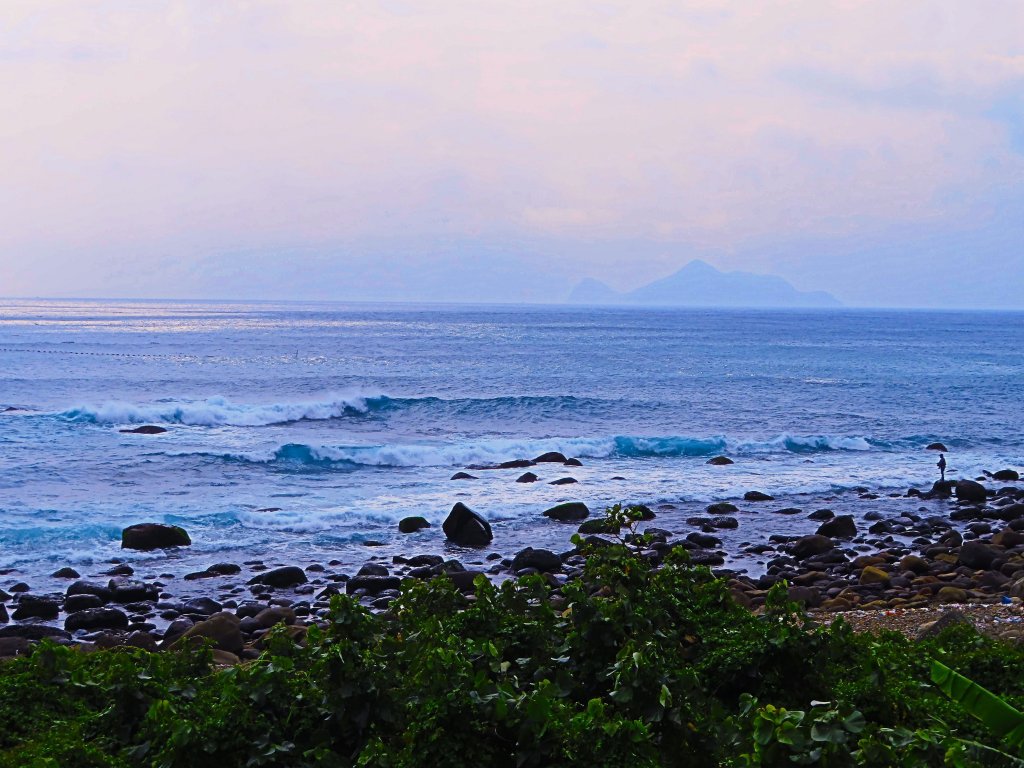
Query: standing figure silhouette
point(942, 467)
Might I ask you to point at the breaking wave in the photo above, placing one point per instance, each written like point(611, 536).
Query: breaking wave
point(495, 451)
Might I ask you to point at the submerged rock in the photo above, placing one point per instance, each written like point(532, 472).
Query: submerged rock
point(936, 447)
point(146, 536)
point(720, 461)
point(463, 476)
point(412, 524)
point(564, 481)
point(551, 457)
point(1006, 475)
point(757, 496)
point(568, 512)
point(466, 527)
point(527, 477)
point(146, 429)
point(288, 576)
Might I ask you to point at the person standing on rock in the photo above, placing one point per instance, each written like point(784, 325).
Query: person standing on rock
point(942, 467)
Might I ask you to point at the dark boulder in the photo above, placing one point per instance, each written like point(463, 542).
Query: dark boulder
point(221, 629)
point(97, 618)
point(146, 536)
point(125, 590)
point(644, 512)
point(564, 481)
point(757, 496)
point(551, 457)
point(527, 477)
point(570, 511)
point(809, 546)
point(942, 488)
point(969, 490)
point(573, 463)
point(1006, 476)
point(36, 607)
point(282, 578)
point(89, 588)
point(34, 632)
point(202, 606)
point(224, 569)
point(724, 521)
point(65, 573)
point(977, 555)
point(466, 527)
point(821, 514)
point(463, 476)
point(936, 447)
point(720, 461)
point(722, 508)
point(839, 527)
point(412, 524)
point(145, 429)
point(704, 540)
point(74, 603)
point(372, 585)
point(541, 559)
point(598, 525)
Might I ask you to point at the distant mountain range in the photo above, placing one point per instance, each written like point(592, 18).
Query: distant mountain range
point(698, 284)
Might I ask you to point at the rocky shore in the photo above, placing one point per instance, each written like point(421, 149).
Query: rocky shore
point(963, 546)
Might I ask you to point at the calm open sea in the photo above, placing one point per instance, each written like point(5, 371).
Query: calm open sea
point(348, 417)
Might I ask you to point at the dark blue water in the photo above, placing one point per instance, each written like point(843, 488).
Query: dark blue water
point(347, 418)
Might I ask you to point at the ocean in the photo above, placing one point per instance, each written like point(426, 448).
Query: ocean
point(302, 432)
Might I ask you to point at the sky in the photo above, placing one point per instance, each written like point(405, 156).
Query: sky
point(505, 150)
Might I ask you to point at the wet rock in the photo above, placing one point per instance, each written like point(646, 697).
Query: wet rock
point(65, 573)
point(570, 511)
point(140, 638)
point(645, 513)
point(704, 540)
point(810, 597)
point(464, 526)
point(724, 521)
point(598, 525)
point(977, 555)
point(573, 463)
point(21, 586)
point(124, 590)
point(14, 646)
point(224, 569)
point(821, 514)
point(4, 618)
point(147, 536)
point(373, 569)
point(176, 629)
point(281, 578)
point(527, 477)
point(202, 606)
point(941, 489)
point(75, 603)
point(36, 607)
point(564, 481)
point(275, 614)
point(145, 429)
point(719, 461)
point(412, 524)
point(787, 511)
point(96, 618)
point(89, 588)
point(463, 476)
point(757, 496)
point(722, 508)
point(1006, 475)
point(551, 457)
point(372, 585)
point(971, 491)
point(221, 628)
point(839, 527)
point(937, 447)
point(810, 546)
point(543, 560)
point(34, 632)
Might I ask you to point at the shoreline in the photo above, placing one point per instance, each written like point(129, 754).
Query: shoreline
point(949, 552)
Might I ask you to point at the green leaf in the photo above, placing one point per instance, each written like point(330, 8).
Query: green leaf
point(1006, 721)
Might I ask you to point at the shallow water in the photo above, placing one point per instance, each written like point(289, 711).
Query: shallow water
point(349, 417)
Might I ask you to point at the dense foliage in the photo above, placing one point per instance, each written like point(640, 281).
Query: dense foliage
point(628, 665)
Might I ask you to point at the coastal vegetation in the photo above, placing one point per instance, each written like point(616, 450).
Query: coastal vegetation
point(628, 664)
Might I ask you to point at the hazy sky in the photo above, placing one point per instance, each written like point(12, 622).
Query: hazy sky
point(504, 150)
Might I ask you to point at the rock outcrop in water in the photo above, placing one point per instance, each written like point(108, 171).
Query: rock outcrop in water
point(146, 536)
point(146, 429)
point(466, 527)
